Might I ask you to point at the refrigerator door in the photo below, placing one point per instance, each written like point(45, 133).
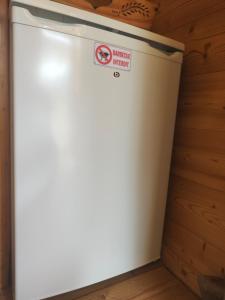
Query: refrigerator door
point(91, 160)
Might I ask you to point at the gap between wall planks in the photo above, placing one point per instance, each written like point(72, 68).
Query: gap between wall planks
point(4, 147)
point(194, 239)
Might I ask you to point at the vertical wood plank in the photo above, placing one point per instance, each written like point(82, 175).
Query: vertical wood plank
point(4, 147)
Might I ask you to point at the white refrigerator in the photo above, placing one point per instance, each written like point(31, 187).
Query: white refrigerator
point(93, 112)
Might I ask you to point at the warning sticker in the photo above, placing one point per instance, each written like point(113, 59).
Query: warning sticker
point(111, 56)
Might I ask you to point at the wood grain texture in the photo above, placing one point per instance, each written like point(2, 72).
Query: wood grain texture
point(194, 239)
point(4, 148)
point(83, 4)
point(175, 14)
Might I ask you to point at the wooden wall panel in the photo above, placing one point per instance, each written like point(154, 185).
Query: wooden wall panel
point(175, 14)
point(194, 239)
point(4, 148)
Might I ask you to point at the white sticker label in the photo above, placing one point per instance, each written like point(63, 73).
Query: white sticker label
point(111, 56)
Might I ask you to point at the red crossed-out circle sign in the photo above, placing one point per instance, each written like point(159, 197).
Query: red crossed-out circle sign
point(103, 54)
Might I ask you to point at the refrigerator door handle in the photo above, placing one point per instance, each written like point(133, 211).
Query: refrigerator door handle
point(42, 18)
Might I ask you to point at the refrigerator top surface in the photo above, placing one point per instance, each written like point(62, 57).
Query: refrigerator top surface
point(105, 22)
